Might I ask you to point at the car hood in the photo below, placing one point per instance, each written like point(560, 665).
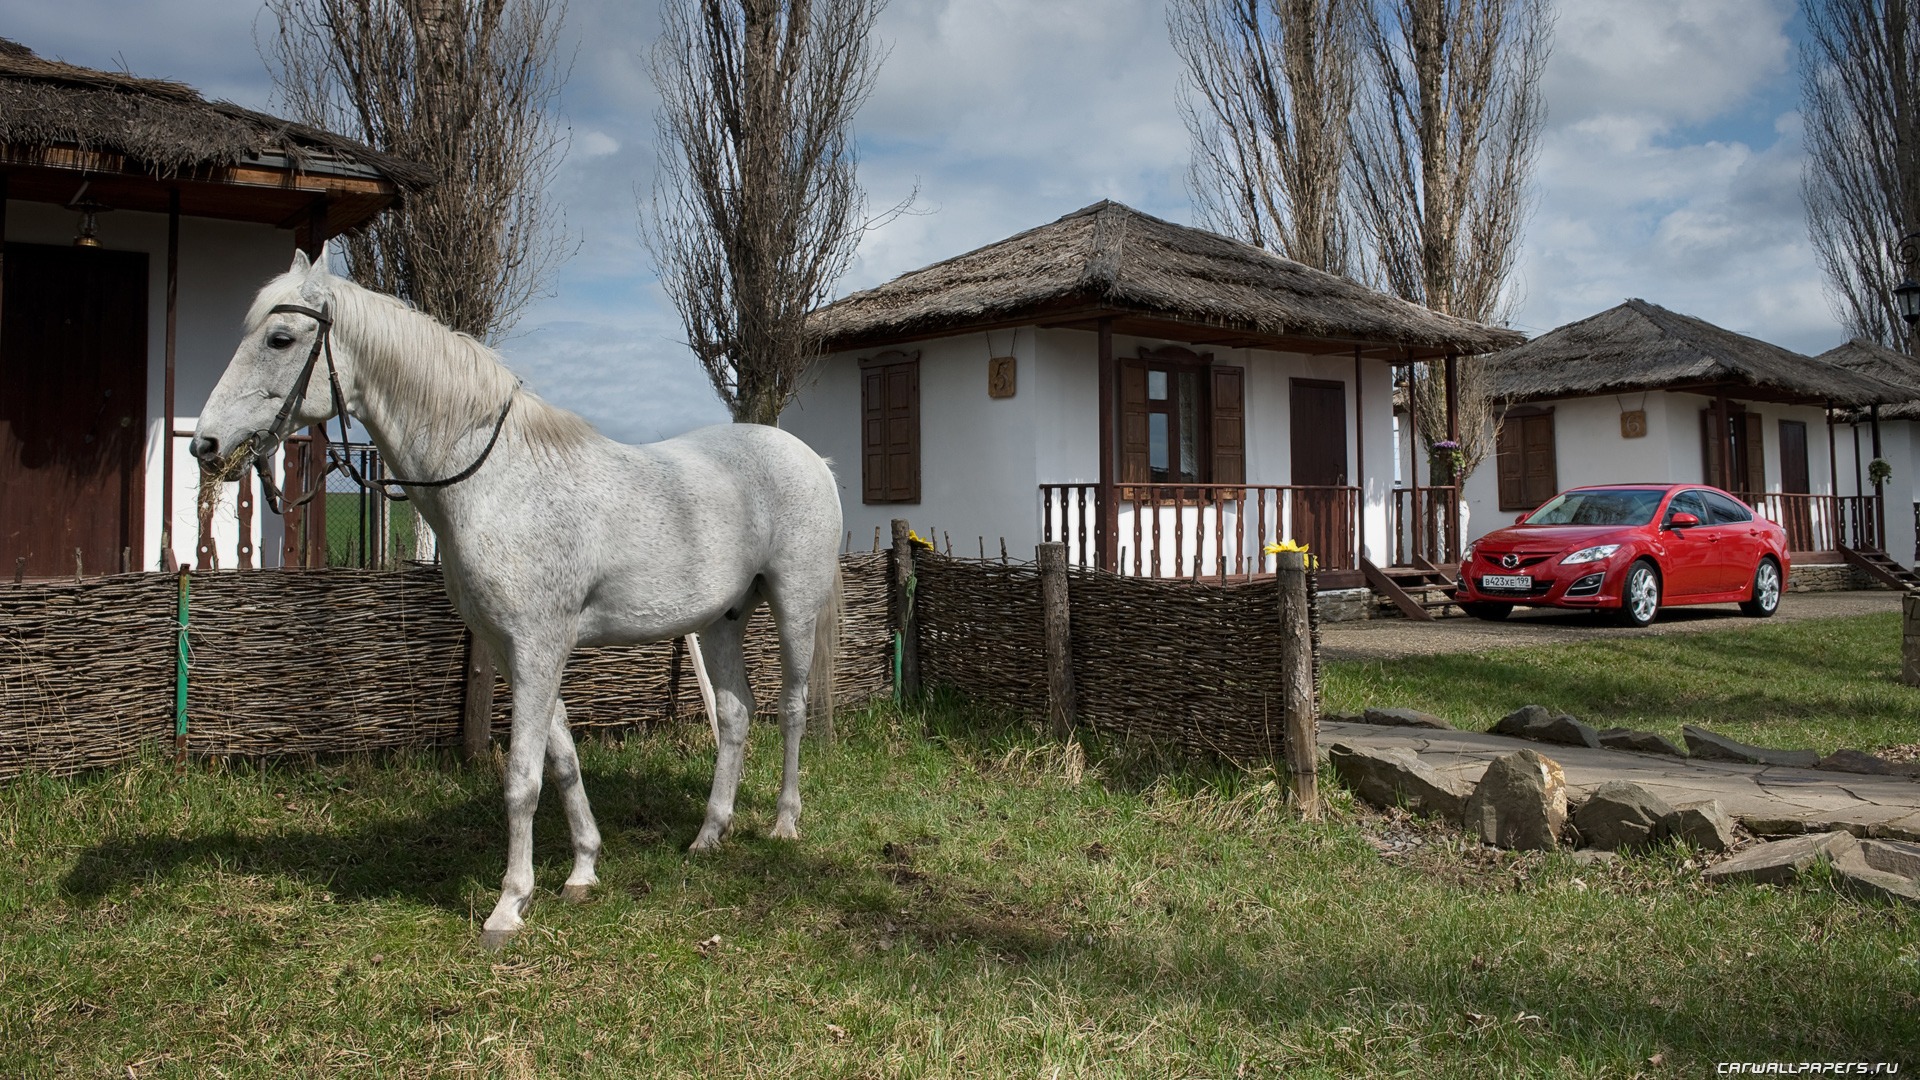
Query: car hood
point(1548, 538)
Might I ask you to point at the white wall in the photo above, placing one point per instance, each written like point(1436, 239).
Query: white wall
point(983, 459)
point(222, 265)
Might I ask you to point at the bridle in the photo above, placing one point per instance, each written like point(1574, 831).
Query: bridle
point(265, 439)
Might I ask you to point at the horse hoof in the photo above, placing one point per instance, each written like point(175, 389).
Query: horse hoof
point(576, 894)
point(703, 844)
point(785, 830)
point(495, 940)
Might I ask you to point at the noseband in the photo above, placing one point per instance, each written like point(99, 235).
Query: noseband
point(265, 438)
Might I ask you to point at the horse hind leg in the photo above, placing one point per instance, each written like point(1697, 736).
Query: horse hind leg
point(563, 765)
point(733, 699)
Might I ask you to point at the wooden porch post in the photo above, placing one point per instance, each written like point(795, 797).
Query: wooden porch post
point(1359, 461)
point(1416, 526)
point(1724, 436)
point(1109, 518)
point(1453, 401)
point(1453, 545)
point(1879, 489)
point(167, 432)
point(316, 464)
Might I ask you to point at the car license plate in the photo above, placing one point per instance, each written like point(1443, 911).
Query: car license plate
point(1506, 581)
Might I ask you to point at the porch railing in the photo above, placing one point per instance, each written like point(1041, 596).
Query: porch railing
point(1426, 525)
point(1817, 523)
point(1216, 531)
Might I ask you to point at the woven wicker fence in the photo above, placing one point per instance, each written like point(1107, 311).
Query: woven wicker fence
point(324, 661)
point(1187, 664)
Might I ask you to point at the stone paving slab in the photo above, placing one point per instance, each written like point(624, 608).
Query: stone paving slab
point(1768, 799)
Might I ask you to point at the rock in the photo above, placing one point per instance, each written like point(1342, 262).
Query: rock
point(1620, 816)
point(1854, 761)
point(1781, 861)
point(1592, 857)
point(1535, 723)
point(1644, 742)
point(1707, 746)
point(1397, 777)
point(1403, 718)
point(1766, 826)
point(1893, 856)
point(1701, 825)
point(1520, 802)
point(1343, 718)
point(1855, 874)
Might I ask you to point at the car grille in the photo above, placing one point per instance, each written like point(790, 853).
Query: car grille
point(1491, 560)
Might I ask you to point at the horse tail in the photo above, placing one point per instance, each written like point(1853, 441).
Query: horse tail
point(826, 650)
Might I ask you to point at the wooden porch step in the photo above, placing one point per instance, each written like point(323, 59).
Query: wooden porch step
point(1881, 567)
point(1414, 590)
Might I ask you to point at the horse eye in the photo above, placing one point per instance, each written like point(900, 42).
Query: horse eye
point(280, 339)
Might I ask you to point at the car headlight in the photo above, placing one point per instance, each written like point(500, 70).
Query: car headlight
point(1592, 554)
point(1467, 555)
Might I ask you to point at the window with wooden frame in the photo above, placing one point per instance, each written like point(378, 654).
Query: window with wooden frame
point(1524, 459)
point(1182, 419)
point(1744, 432)
point(890, 428)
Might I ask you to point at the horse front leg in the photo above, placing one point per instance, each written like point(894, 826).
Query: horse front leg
point(536, 688)
point(733, 699)
point(563, 763)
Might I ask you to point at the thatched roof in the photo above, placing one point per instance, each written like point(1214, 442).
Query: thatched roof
point(166, 126)
point(1153, 278)
point(1641, 346)
point(1890, 365)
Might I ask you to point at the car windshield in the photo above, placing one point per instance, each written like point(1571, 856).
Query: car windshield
point(1602, 506)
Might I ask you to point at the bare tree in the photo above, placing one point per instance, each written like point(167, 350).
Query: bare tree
point(462, 87)
point(1445, 134)
point(1860, 90)
point(756, 210)
point(1268, 88)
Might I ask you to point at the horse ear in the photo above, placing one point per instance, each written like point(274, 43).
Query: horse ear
point(300, 262)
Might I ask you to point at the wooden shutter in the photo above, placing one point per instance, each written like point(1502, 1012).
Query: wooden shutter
point(1753, 456)
point(890, 428)
point(1710, 445)
point(1509, 467)
point(1133, 422)
point(1229, 433)
point(1540, 470)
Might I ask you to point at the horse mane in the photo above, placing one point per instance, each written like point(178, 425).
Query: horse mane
point(443, 382)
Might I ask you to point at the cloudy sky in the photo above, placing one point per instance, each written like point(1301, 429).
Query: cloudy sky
point(1670, 168)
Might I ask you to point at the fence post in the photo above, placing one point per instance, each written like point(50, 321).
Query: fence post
point(906, 656)
point(1053, 603)
point(476, 722)
point(1296, 680)
point(1910, 639)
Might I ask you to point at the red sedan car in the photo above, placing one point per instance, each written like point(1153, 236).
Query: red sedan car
point(1628, 549)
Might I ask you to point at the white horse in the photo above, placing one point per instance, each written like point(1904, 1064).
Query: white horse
point(553, 536)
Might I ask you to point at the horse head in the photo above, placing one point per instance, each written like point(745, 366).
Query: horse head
point(277, 381)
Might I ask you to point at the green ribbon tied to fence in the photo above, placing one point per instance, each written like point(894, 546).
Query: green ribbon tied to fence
point(180, 671)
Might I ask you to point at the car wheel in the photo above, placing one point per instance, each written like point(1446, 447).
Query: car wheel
point(1489, 612)
point(1640, 599)
point(1766, 591)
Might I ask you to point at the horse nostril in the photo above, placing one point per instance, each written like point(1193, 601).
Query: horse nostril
point(205, 447)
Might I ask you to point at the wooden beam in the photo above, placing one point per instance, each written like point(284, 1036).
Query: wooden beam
point(1109, 523)
point(1453, 401)
point(167, 560)
point(1359, 449)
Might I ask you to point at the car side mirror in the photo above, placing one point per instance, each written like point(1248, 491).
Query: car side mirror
point(1683, 520)
point(1521, 519)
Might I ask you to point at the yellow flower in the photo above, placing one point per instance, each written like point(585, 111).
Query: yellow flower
point(1292, 545)
point(914, 538)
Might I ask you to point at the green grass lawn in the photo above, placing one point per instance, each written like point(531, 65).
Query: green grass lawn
point(1820, 685)
point(966, 900)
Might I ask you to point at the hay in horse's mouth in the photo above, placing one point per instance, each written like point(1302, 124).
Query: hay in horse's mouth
point(215, 478)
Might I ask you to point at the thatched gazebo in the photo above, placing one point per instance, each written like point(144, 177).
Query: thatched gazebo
point(1153, 302)
point(110, 184)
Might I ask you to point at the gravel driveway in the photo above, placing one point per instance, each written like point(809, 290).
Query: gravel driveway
point(1386, 639)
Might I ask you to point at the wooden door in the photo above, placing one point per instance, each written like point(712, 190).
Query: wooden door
point(1318, 433)
point(1797, 517)
point(73, 407)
